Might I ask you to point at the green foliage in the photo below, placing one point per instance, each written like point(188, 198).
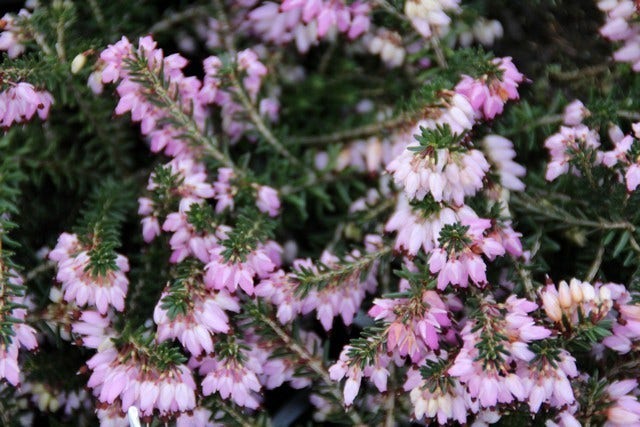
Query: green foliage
point(250, 229)
point(438, 138)
point(100, 226)
point(366, 348)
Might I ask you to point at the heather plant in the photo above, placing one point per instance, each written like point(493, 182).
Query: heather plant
point(320, 212)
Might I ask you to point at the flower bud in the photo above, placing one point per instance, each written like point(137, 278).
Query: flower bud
point(576, 291)
point(605, 294)
point(588, 292)
point(77, 63)
point(564, 295)
point(551, 306)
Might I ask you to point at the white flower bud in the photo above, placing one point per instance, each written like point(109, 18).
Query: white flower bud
point(564, 295)
point(551, 306)
point(605, 294)
point(77, 63)
point(576, 290)
point(588, 292)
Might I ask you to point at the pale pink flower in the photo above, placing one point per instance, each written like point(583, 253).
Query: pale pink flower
point(488, 94)
point(80, 285)
point(500, 153)
point(565, 144)
point(422, 229)
point(625, 408)
point(338, 299)
point(429, 17)
point(268, 200)
point(230, 274)
point(205, 317)
point(412, 333)
point(574, 113)
point(232, 379)
point(12, 39)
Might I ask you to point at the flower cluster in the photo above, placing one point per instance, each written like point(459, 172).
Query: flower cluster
point(625, 156)
point(127, 378)
point(80, 281)
point(12, 38)
point(572, 145)
point(489, 93)
point(621, 26)
point(334, 203)
point(577, 300)
point(307, 22)
point(21, 101)
point(430, 18)
point(457, 260)
point(22, 335)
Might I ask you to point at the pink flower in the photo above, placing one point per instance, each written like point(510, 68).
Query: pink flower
point(268, 201)
point(133, 381)
point(342, 298)
point(429, 17)
point(625, 408)
point(457, 261)
point(230, 274)
point(410, 332)
point(81, 285)
point(489, 94)
point(205, 317)
point(231, 379)
point(21, 102)
point(562, 147)
point(24, 336)
point(574, 113)
point(500, 152)
point(422, 229)
point(12, 38)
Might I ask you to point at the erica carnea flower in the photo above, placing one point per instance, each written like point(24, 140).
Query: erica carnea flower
point(13, 315)
point(235, 272)
point(232, 378)
point(21, 101)
point(429, 17)
point(128, 377)
point(335, 299)
point(443, 400)
point(80, 281)
point(345, 367)
point(569, 146)
point(625, 155)
point(415, 325)
point(446, 175)
point(268, 201)
point(203, 315)
point(13, 36)
point(421, 228)
point(625, 407)
point(577, 300)
point(621, 26)
point(489, 375)
point(387, 44)
point(488, 94)
point(500, 152)
point(457, 261)
point(307, 22)
point(574, 113)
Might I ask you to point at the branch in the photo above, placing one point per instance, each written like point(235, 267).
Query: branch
point(174, 18)
point(208, 142)
point(403, 120)
point(595, 265)
point(305, 358)
point(244, 99)
point(547, 210)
